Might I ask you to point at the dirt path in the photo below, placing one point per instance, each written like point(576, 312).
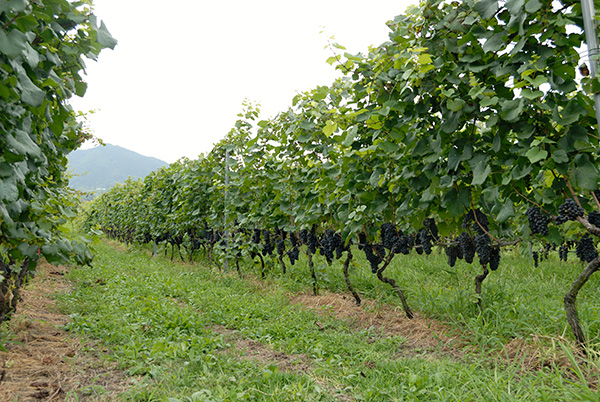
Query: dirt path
point(45, 363)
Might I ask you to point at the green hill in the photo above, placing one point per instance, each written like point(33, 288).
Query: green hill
point(98, 169)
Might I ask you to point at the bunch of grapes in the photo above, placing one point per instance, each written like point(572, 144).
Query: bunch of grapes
point(389, 235)
point(425, 238)
point(453, 252)
point(362, 240)
point(374, 254)
point(338, 244)
point(303, 236)
point(294, 239)
point(569, 211)
point(594, 218)
point(431, 227)
point(312, 242)
point(280, 247)
point(402, 246)
point(563, 252)
point(328, 244)
point(394, 240)
point(294, 254)
point(494, 258)
point(483, 248)
point(536, 259)
point(538, 223)
point(268, 245)
point(467, 246)
point(256, 236)
point(586, 251)
point(474, 216)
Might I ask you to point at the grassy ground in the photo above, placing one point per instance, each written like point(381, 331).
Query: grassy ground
point(190, 333)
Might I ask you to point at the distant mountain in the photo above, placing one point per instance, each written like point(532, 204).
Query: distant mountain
point(100, 168)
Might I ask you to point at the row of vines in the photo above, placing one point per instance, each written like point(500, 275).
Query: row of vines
point(42, 46)
point(471, 129)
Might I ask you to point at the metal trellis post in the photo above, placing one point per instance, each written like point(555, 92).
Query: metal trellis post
point(591, 37)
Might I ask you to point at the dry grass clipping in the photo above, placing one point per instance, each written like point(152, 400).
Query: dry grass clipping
point(421, 334)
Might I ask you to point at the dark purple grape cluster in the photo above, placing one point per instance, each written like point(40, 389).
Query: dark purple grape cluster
point(586, 250)
point(480, 225)
point(394, 239)
point(294, 254)
point(389, 235)
point(425, 239)
point(402, 245)
point(538, 223)
point(312, 241)
point(494, 258)
point(467, 246)
point(268, 245)
point(338, 244)
point(563, 252)
point(280, 247)
point(470, 218)
point(303, 236)
point(294, 239)
point(330, 243)
point(594, 218)
point(256, 236)
point(536, 259)
point(569, 211)
point(453, 253)
point(362, 241)
point(483, 248)
point(374, 254)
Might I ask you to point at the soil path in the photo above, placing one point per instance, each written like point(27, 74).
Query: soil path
point(45, 363)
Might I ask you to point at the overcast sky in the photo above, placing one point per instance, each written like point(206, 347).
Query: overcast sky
point(181, 70)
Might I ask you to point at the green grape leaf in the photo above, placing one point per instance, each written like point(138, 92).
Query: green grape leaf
point(481, 169)
point(29, 92)
point(535, 154)
point(8, 191)
point(507, 212)
point(584, 173)
point(486, 8)
point(12, 44)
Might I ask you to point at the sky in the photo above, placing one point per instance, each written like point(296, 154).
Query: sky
point(176, 80)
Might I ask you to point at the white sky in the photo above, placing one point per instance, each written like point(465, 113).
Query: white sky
point(176, 81)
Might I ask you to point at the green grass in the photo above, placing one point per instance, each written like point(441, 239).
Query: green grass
point(163, 323)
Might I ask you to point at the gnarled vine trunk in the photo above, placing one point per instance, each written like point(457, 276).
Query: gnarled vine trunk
point(478, 281)
point(283, 267)
point(570, 300)
point(347, 278)
point(394, 285)
point(313, 274)
point(10, 287)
